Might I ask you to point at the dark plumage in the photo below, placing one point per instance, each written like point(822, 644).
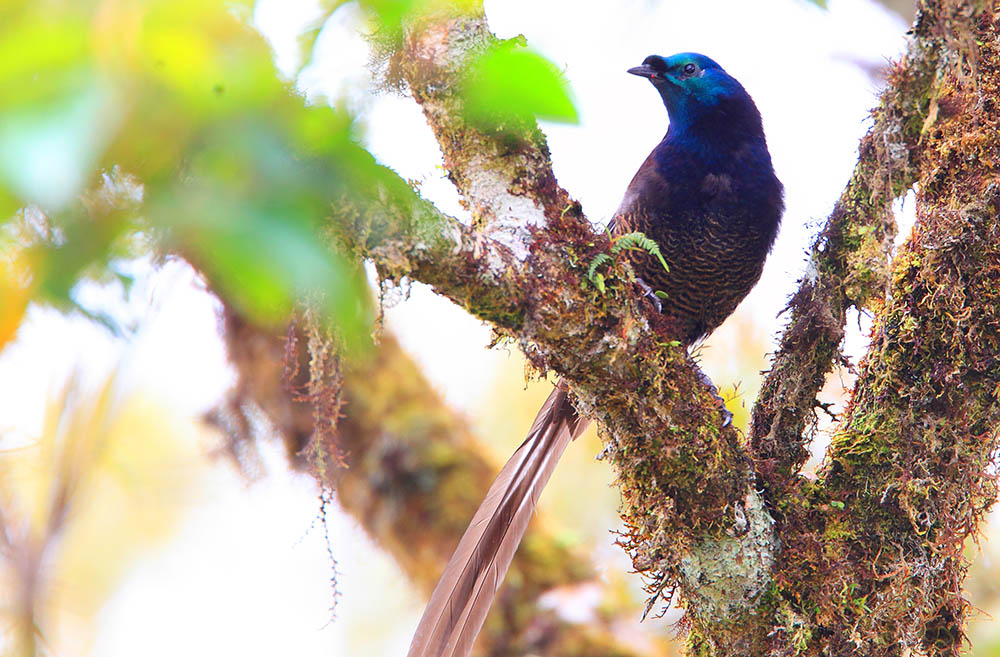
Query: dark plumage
point(708, 195)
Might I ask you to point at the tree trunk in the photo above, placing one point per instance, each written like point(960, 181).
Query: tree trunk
point(866, 559)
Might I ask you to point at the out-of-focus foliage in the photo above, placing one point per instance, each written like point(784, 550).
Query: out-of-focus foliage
point(131, 127)
point(511, 82)
point(506, 85)
point(105, 480)
point(163, 125)
point(389, 15)
point(166, 118)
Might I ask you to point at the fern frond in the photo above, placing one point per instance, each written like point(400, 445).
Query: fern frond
point(598, 260)
point(638, 241)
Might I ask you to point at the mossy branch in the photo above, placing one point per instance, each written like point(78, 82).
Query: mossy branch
point(689, 499)
point(848, 266)
point(413, 476)
point(635, 241)
point(405, 236)
point(874, 548)
point(693, 514)
point(503, 174)
point(686, 481)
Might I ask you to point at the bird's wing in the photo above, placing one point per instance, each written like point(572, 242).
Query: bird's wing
point(462, 598)
point(640, 199)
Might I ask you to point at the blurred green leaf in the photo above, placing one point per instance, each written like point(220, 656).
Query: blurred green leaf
point(251, 214)
point(172, 114)
point(38, 48)
point(50, 145)
point(390, 13)
point(510, 82)
point(56, 113)
point(267, 260)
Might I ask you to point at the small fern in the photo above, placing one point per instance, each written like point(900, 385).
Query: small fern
point(634, 241)
point(598, 260)
point(637, 241)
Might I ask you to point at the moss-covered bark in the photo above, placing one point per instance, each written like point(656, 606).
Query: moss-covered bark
point(848, 266)
point(873, 560)
point(411, 475)
point(867, 559)
point(405, 236)
point(504, 175)
point(689, 498)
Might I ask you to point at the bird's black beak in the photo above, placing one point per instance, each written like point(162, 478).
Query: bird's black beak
point(648, 72)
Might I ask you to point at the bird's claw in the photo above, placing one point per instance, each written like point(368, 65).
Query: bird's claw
point(650, 294)
point(727, 416)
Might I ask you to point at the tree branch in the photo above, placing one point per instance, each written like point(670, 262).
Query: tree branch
point(873, 550)
point(412, 476)
point(848, 266)
point(916, 453)
point(870, 556)
point(690, 503)
point(505, 176)
point(406, 236)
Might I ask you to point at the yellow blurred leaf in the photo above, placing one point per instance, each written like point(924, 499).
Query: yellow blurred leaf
point(14, 294)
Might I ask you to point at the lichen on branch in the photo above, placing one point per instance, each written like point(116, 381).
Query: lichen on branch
point(503, 172)
point(873, 549)
point(867, 556)
point(848, 265)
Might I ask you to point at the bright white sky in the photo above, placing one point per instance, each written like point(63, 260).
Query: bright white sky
point(800, 64)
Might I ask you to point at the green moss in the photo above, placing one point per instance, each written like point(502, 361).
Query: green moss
point(796, 628)
point(870, 549)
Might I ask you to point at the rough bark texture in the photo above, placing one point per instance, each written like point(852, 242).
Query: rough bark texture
point(504, 175)
point(914, 458)
point(865, 560)
point(660, 421)
point(848, 266)
point(873, 560)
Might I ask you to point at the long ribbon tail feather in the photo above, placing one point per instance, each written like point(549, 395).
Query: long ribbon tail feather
point(462, 598)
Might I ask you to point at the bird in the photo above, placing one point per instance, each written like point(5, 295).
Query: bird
point(708, 195)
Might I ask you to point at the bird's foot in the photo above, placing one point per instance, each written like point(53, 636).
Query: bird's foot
point(650, 294)
point(727, 416)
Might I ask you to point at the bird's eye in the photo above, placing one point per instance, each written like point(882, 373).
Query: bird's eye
point(690, 68)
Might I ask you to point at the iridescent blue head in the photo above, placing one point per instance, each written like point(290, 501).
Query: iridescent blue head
point(694, 87)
